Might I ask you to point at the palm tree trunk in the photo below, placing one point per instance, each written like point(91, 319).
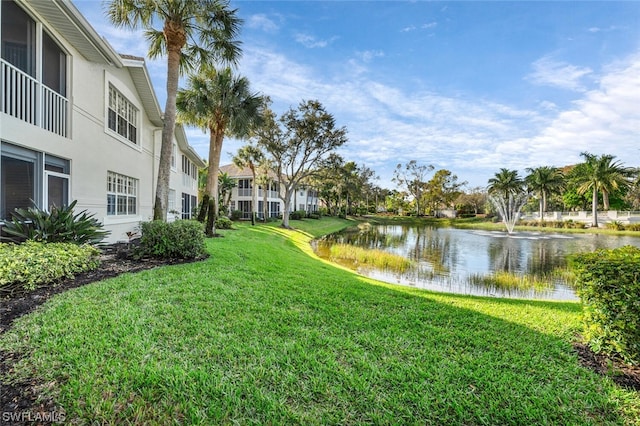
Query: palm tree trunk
point(594, 207)
point(605, 199)
point(254, 198)
point(168, 131)
point(265, 207)
point(541, 205)
point(204, 207)
point(215, 150)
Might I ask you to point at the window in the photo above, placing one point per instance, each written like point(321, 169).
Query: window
point(189, 173)
point(122, 195)
point(244, 187)
point(18, 38)
point(122, 116)
point(245, 208)
point(56, 172)
point(33, 70)
point(189, 204)
point(54, 62)
point(274, 209)
point(28, 177)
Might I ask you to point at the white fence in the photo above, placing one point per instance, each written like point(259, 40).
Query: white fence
point(624, 217)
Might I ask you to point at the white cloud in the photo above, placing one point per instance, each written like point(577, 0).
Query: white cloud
point(312, 42)
point(262, 22)
point(369, 55)
point(549, 72)
point(429, 25)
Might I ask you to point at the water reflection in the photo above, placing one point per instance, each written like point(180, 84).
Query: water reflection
point(448, 259)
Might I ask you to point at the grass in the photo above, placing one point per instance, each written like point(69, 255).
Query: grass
point(264, 332)
point(508, 280)
point(370, 257)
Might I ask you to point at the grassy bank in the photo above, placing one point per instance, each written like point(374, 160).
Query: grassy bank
point(263, 332)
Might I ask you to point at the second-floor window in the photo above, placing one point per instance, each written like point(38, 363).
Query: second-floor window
point(33, 67)
point(122, 116)
point(244, 187)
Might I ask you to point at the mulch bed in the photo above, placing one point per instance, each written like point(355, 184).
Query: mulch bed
point(24, 397)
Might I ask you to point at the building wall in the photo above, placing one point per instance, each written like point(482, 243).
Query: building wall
point(94, 150)
point(241, 195)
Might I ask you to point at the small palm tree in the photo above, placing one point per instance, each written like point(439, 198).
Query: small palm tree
point(193, 34)
point(506, 182)
point(250, 156)
point(220, 103)
point(225, 185)
point(545, 181)
point(601, 174)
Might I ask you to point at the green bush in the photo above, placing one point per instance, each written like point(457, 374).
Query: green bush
point(31, 264)
point(236, 215)
point(224, 223)
point(182, 239)
point(632, 227)
point(608, 283)
point(297, 215)
point(615, 225)
point(60, 225)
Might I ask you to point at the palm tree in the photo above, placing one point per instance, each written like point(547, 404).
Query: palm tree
point(221, 103)
point(545, 181)
point(506, 182)
point(225, 185)
point(250, 156)
point(601, 174)
point(193, 34)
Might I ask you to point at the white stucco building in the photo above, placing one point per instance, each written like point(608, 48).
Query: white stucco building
point(242, 195)
point(79, 121)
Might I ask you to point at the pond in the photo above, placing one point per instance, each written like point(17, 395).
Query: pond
point(529, 265)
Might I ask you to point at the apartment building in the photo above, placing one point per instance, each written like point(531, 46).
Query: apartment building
point(242, 195)
point(79, 121)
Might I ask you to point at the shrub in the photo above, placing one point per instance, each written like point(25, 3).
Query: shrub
point(182, 239)
point(224, 223)
point(314, 216)
point(615, 225)
point(633, 227)
point(236, 215)
point(297, 215)
point(60, 225)
point(33, 263)
point(608, 283)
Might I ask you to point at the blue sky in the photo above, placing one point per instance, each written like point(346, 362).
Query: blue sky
point(468, 86)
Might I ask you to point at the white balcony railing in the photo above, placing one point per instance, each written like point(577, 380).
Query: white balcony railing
point(25, 98)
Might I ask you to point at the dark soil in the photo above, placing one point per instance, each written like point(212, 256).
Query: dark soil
point(25, 397)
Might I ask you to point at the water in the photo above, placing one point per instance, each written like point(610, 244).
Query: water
point(451, 260)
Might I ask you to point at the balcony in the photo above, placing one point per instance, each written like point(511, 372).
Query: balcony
point(27, 99)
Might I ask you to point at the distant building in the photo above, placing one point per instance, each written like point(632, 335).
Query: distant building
point(242, 195)
point(79, 121)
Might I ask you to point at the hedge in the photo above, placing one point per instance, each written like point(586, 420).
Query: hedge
point(32, 264)
point(608, 284)
point(182, 239)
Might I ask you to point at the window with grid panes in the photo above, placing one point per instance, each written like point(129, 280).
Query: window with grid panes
point(122, 195)
point(122, 116)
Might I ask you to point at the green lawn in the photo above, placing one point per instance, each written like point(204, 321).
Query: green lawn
point(263, 332)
